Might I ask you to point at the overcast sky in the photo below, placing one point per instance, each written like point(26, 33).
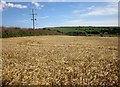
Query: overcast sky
point(55, 13)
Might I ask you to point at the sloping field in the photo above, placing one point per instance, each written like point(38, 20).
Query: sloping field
point(61, 60)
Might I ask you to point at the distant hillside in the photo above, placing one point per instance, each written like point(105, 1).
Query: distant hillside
point(82, 30)
point(72, 31)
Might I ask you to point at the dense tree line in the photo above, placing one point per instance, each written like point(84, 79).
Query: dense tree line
point(19, 32)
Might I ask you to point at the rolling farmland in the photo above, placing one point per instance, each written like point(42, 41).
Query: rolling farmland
point(60, 60)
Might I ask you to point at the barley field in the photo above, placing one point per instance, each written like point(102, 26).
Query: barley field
point(60, 60)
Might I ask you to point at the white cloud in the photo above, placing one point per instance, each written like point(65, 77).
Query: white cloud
point(110, 22)
point(4, 5)
point(110, 9)
point(77, 22)
point(37, 4)
point(16, 5)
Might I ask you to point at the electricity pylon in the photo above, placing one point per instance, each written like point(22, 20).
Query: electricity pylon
point(33, 18)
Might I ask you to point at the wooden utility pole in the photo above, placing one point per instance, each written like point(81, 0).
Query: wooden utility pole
point(33, 18)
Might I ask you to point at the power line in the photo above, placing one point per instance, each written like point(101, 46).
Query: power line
point(33, 18)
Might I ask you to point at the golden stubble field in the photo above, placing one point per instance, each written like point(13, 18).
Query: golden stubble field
point(60, 60)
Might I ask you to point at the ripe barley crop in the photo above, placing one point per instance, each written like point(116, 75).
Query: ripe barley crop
point(60, 60)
